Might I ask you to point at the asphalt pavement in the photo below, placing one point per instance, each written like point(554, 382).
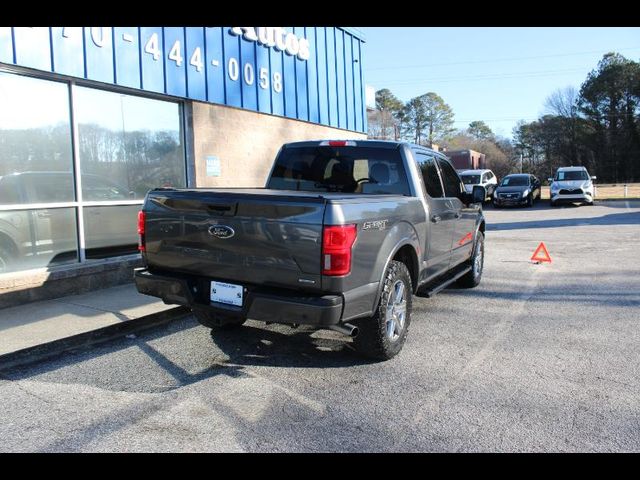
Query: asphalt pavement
point(538, 358)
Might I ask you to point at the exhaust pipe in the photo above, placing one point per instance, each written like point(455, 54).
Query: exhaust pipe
point(346, 329)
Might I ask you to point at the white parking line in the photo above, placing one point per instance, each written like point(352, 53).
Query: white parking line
point(628, 205)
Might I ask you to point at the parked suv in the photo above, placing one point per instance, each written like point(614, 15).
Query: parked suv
point(571, 184)
point(484, 178)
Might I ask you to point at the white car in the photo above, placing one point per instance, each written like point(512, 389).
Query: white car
point(484, 178)
point(571, 185)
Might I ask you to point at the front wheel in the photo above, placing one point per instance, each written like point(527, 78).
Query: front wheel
point(472, 278)
point(382, 336)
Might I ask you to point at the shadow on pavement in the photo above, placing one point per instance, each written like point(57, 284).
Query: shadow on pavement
point(183, 352)
point(627, 218)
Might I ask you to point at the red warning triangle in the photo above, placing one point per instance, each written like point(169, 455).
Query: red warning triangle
point(541, 257)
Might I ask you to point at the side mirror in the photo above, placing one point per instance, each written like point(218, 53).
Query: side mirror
point(594, 178)
point(550, 180)
point(478, 194)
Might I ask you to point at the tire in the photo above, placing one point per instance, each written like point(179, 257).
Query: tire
point(552, 204)
point(217, 322)
point(530, 202)
point(472, 278)
point(382, 336)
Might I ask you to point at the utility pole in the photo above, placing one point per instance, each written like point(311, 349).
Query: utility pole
point(520, 162)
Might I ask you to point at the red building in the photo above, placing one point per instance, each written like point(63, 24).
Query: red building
point(466, 159)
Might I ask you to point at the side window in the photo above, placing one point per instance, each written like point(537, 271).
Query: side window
point(9, 190)
point(430, 176)
point(452, 184)
point(485, 178)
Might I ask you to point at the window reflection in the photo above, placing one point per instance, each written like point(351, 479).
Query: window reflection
point(128, 145)
point(37, 238)
point(136, 142)
point(35, 136)
point(111, 230)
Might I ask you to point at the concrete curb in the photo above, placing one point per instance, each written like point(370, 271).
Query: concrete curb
point(54, 348)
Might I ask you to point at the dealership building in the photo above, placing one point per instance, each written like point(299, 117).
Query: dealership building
point(91, 118)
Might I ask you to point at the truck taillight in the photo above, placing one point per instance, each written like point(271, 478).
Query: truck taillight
point(338, 143)
point(141, 226)
point(337, 241)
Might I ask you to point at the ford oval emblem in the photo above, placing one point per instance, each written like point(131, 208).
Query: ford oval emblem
point(221, 231)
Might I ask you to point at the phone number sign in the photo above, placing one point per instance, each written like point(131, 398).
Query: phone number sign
point(277, 70)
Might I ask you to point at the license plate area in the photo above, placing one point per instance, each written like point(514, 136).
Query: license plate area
point(227, 293)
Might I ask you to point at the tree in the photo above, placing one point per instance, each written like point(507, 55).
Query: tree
point(480, 130)
point(563, 102)
point(610, 102)
point(428, 118)
point(384, 122)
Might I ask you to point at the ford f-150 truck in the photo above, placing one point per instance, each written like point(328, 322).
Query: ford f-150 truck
point(341, 237)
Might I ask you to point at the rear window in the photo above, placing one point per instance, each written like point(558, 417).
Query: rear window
point(470, 179)
point(515, 181)
point(365, 170)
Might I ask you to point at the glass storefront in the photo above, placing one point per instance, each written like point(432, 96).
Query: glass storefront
point(126, 145)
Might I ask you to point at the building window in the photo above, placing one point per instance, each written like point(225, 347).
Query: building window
point(127, 145)
point(134, 142)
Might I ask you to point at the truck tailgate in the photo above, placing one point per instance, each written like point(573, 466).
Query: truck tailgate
point(247, 237)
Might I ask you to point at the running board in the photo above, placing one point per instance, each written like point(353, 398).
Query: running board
point(430, 289)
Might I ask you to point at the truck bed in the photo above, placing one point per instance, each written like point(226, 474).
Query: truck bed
point(276, 240)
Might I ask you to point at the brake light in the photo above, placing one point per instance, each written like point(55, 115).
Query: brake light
point(141, 227)
point(338, 143)
point(337, 241)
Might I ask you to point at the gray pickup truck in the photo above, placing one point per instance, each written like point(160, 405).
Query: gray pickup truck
point(341, 237)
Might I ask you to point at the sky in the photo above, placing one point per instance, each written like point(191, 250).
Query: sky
point(496, 74)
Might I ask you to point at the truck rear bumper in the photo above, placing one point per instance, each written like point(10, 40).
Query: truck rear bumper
point(265, 305)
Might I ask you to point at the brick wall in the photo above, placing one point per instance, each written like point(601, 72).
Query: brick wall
point(247, 142)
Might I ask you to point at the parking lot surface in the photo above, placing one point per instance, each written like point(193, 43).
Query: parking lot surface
point(539, 357)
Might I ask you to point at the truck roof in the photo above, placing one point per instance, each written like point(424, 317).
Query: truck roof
point(364, 142)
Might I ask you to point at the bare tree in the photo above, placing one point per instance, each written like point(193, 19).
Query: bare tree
point(563, 102)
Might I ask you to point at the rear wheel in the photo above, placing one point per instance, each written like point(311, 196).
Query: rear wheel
point(215, 321)
point(382, 336)
point(472, 278)
point(530, 201)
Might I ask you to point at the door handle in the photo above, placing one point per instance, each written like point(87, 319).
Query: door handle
point(457, 215)
point(44, 214)
point(436, 218)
